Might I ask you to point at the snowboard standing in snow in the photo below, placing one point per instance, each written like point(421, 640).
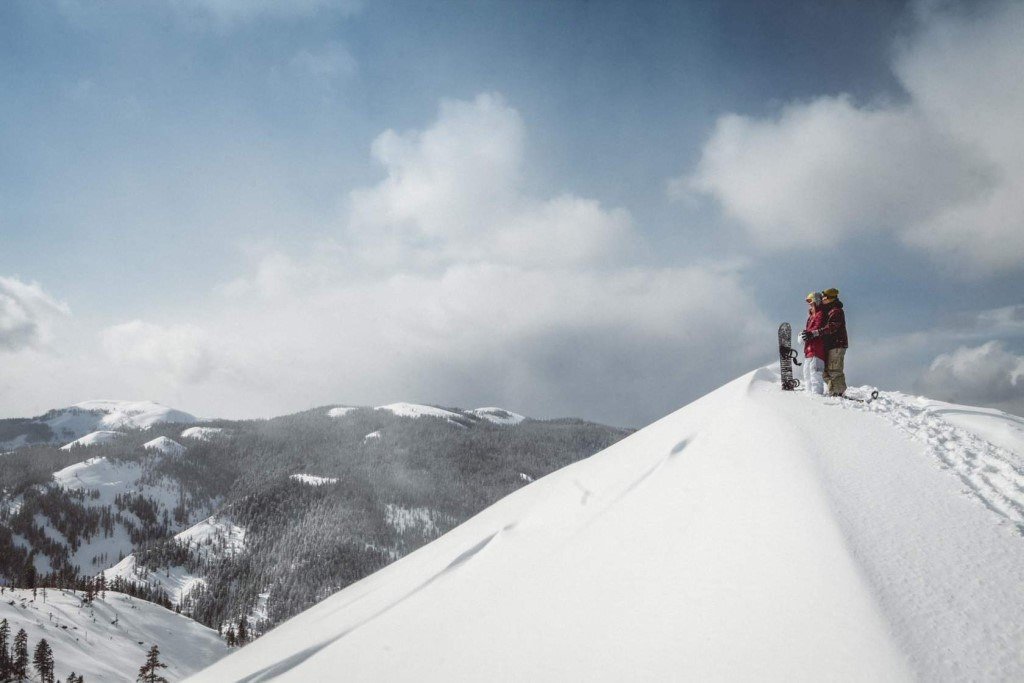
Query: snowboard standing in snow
point(787, 357)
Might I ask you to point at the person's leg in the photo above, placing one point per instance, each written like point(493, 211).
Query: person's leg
point(836, 373)
point(813, 369)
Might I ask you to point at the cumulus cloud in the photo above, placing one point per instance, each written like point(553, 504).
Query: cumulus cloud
point(27, 314)
point(180, 353)
point(988, 374)
point(942, 171)
point(449, 283)
point(453, 193)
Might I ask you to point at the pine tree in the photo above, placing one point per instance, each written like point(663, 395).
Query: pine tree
point(5, 651)
point(42, 660)
point(243, 630)
point(148, 671)
point(230, 636)
point(19, 665)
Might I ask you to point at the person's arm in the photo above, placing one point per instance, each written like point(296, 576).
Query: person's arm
point(836, 322)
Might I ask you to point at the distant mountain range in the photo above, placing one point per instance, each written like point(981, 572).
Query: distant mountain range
point(255, 520)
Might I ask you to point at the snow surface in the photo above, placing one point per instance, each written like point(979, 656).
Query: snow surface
point(109, 478)
point(314, 480)
point(755, 534)
point(134, 414)
point(211, 538)
point(201, 433)
point(340, 411)
point(372, 435)
point(417, 410)
point(85, 640)
point(498, 416)
point(92, 439)
point(162, 444)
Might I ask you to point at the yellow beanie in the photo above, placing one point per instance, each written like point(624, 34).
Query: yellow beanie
point(813, 296)
point(831, 293)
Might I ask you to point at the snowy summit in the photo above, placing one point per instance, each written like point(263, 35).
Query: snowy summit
point(162, 444)
point(755, 534)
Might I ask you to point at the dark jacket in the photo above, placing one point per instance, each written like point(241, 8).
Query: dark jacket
point(835, 326)
point(814, 347)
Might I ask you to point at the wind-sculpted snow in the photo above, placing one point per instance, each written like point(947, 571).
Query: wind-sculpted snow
point(753, 535)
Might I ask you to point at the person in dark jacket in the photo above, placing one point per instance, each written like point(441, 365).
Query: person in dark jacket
point(837, 341)
point(814, 345)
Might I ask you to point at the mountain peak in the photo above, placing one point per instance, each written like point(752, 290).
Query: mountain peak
point(753, 534)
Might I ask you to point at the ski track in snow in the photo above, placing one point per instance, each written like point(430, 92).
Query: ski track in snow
point(992, 475)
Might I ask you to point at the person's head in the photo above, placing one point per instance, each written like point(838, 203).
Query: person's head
point(829, 295)
point(814, 300)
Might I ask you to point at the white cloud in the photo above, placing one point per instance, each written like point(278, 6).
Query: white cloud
point(942, 171)
point(27, 315)
point(453, 193)
point(451, 284)
point(177, 353)
point(985, 374)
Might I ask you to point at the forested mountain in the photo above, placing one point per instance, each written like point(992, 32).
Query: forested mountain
point(245, 523)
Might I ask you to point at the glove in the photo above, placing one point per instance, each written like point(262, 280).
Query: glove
point(805, 335)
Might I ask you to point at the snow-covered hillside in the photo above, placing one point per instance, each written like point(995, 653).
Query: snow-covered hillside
point(213, 537)
point(108, 640)
point(65, 425)
point(461, 418)
point(92, 439)
point(752, 535)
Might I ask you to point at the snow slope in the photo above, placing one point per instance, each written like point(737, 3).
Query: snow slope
point(213, 537)
point(134, 414)
point(753, 535)
point(162, 444)
point(201, 433)
point(498, 416)
point(85, 640)
point(92, 439)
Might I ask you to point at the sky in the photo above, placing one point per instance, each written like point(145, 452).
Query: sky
point(245, 208)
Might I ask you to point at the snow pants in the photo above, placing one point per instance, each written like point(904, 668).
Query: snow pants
point(834, 373)
point(813, 370)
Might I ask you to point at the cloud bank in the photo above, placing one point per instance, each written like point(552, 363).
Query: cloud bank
point(942, 171)
point(448, 282)
point(986, 374)
point(27, 315)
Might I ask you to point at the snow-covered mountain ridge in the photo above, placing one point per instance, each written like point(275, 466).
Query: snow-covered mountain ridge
point(66, 425)
point(753, 535)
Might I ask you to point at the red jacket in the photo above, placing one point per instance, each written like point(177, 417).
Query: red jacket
point(815, 347)
point(835, 326)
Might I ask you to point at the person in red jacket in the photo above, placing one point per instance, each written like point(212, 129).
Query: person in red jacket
point(814, 345)
point(837, 341)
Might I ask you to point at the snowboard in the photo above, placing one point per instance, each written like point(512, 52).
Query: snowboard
point(787, 357)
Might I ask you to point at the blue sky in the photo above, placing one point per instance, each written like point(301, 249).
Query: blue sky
point(575, 208)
